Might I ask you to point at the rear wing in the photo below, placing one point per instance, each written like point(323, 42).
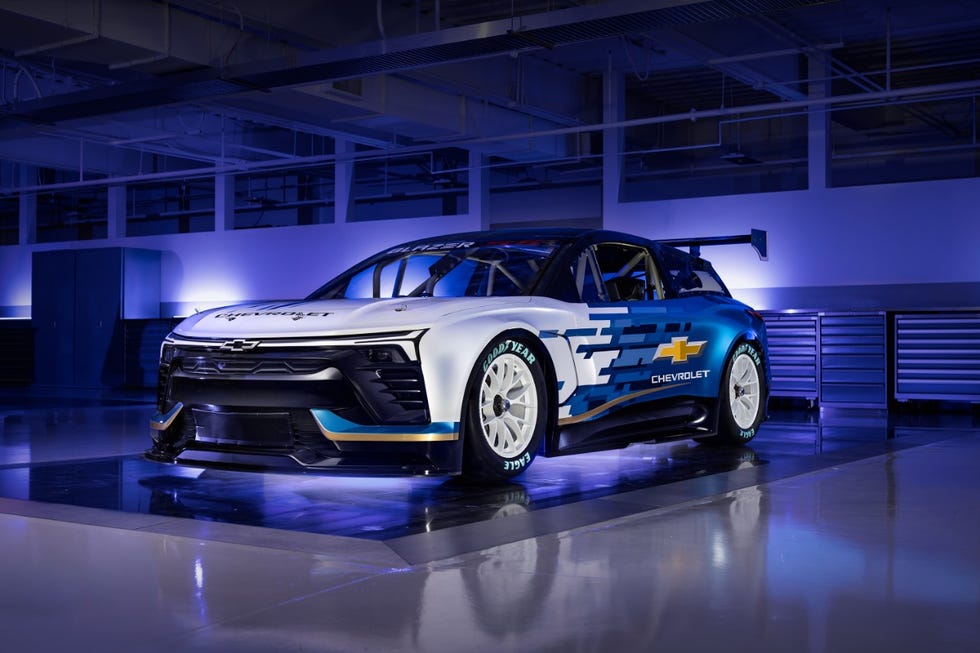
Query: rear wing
point(758, 239)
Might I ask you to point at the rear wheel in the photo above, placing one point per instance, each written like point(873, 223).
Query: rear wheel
point(506, 410)
point(743, 393)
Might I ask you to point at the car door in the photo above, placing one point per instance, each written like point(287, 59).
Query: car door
point(624, 320)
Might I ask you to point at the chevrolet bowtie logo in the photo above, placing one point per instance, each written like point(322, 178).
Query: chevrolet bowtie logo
point(240, 345)
point(679, 350)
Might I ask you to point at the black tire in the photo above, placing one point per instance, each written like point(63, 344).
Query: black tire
point(742, 396)
point(505, 411)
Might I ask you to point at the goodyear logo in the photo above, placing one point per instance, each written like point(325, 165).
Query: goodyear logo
point(679, 350)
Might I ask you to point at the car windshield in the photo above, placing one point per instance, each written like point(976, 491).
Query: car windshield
point(445, 269)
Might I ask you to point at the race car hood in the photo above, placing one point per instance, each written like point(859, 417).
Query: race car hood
point(329, 317)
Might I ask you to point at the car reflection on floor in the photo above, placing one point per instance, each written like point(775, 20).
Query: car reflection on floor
point(385, 508)
point(373, 508)
point(507, 592)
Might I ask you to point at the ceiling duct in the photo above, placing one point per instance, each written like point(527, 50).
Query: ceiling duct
point(546, 30)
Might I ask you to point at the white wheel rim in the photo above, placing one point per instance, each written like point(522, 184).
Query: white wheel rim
point(508, 405)
point(743, 391)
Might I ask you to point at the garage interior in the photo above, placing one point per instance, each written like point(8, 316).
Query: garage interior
point(162, 157)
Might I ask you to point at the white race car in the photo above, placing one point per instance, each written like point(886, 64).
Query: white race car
point(472, 354)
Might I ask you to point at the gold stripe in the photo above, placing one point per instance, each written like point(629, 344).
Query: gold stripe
point(163, 426)
point(575, 419)
point(387, 437)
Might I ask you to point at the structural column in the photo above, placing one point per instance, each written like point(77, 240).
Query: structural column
point(613, 110)
point(478, 195)
point(343, 180)
point(117, 211)
point(224, 203)
point(27, 207)
point(818, 127)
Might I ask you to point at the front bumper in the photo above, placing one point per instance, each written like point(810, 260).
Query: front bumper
point(275, 440)
point(298, 407)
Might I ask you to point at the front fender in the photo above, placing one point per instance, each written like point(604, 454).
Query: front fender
point(450, 350)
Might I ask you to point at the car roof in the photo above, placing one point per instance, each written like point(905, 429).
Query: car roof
point(560, 233)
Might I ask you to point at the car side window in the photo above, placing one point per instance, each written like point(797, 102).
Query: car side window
point(616, 272)
point(685, 274)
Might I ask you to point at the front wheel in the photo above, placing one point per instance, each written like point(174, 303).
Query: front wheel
point(505, 410)
point(743, 396)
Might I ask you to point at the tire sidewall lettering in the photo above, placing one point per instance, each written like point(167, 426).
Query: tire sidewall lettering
point(495, 353)
point(509, 346)
point(520, 462)
point(748, 349)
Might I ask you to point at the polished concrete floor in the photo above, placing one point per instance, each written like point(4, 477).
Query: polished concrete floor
point(834, 531)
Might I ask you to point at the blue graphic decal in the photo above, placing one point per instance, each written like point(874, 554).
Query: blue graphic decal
point(634, 334)
point(571, 333)
point(567, 333)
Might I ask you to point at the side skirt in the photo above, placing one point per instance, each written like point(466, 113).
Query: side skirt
point(675, 418)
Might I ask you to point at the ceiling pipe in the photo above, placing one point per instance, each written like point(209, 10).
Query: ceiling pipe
point(940, 149)
point(720, 141)
point(878, 72)
point(727, 168)
point(24, 71)
point(861, 80)
point(771, 54)
point(379, 16)
point(64, 43)
point(777, 108)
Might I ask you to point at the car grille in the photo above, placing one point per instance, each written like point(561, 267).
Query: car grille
point(404, 386)
point(290, 429)
point(217, 366)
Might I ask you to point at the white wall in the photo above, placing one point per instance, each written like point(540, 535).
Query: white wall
point(201, 270)
point(546, 206)
point(888, 235)
point(894, 234)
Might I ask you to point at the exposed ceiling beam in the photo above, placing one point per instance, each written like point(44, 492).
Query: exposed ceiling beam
point(776, 109)
point(736, 68)
point(546, 30)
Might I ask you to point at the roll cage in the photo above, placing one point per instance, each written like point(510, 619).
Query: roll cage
point(566, 264)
